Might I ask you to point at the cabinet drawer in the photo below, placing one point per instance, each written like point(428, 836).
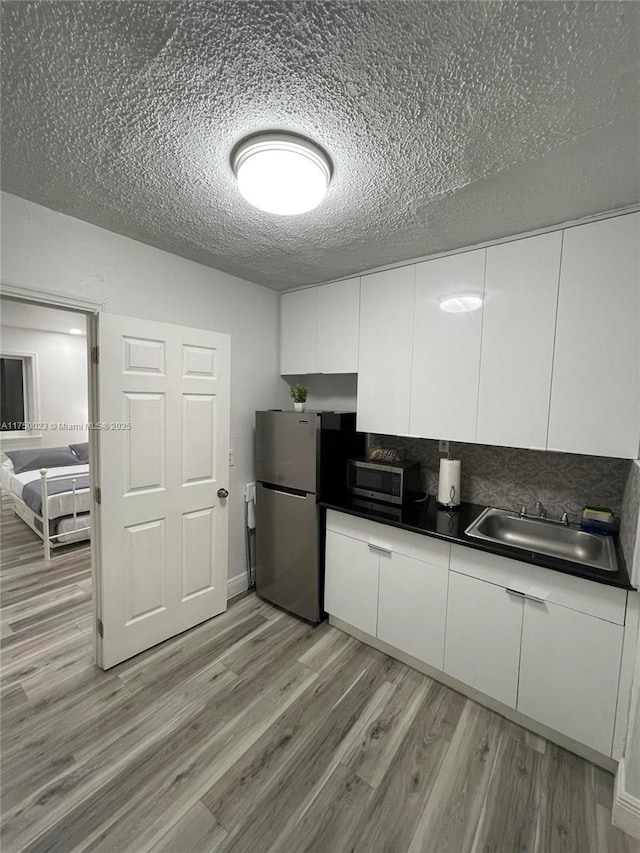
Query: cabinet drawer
point(594, 599)
point(434, 551)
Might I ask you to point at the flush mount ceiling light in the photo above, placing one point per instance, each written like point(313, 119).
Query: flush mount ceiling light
point(75, 331)
point(460, 302)
point(281, 173)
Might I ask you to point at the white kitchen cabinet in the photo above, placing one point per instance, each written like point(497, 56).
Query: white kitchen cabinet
point(338, 323)
point(595, 394)
point(298, 331)
point(482, 646)
point(546, 644)
point(319, 329)
point(351, 581)
point(412, 607)
point(446, 349)
point(407, 571)
point(518, 330)
point(385, 350)
point(569, 671)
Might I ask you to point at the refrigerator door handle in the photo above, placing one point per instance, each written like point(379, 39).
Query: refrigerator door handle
point(289, 494)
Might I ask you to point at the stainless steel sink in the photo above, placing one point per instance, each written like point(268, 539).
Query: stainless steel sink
point(545, 537)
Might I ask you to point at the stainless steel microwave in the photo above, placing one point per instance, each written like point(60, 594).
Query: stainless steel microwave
point(392, 482)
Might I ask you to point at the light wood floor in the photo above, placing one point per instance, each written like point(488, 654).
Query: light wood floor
point(255, 732)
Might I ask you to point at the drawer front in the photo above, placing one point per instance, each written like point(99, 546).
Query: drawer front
point(594, 599)
point(387, 538)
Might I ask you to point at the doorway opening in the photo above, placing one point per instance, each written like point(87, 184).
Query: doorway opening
point(48, 514)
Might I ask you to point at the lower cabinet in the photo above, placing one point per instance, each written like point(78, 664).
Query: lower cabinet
point(351, 581)
point(412, 607)
point(548, 645)
point(552, 662)
point(376, 581)
point(484, 624)
point(569, 671)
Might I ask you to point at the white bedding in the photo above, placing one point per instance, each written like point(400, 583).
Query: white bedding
point(69, 527)
point(58, 504)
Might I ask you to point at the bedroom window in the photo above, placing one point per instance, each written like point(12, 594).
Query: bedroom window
point(17, 395)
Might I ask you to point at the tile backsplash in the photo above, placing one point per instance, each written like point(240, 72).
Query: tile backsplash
point(508, 477)
point(629, 516)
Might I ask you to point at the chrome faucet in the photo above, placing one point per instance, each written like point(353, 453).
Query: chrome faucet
point(542, 513)
point(523, 511)
point(565, 519)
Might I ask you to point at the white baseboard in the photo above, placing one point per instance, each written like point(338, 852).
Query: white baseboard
point(626, 807)
point(236, 585)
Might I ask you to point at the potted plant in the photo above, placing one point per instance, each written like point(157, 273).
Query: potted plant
point(299, 395)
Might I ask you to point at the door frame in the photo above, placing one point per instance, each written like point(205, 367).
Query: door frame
point(91, 309)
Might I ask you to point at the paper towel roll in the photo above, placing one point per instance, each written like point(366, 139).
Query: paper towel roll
point(449, 482)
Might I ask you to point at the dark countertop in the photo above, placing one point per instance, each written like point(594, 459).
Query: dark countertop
point(425, 518)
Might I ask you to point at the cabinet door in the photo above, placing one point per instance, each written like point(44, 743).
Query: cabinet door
point(384, 359)
point(298, 331)
point(595, 392)
point(446, 349)
point(518, 328)
point(351, 581)
point(412, 607)
point(569, 669)
point(482, 645)
point(338, 323)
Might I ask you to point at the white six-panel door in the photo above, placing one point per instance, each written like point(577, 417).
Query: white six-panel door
point(162, 541)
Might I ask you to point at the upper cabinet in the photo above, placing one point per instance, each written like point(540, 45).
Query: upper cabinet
point(338, 323)
point(384, 362)
point(549, 360)
point(446, 348)
point(299, 331)
point(595, 394)
point(521, 294)
point(319, 329)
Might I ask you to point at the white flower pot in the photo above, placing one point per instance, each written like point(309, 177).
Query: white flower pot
point(299, 407)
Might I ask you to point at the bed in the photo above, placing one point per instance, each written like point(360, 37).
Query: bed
point(51, 493)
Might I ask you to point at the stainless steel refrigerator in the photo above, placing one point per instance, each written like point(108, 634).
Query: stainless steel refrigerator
point(300, 457)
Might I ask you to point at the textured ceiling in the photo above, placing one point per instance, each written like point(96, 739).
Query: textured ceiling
point(448, 123)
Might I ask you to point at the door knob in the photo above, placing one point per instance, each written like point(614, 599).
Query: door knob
point(223, 493)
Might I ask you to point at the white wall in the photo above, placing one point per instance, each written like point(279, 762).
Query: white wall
point(44, 250)
point(61, 368)
point(327, 392)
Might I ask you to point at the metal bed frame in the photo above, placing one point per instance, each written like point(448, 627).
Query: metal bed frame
point(30, 517)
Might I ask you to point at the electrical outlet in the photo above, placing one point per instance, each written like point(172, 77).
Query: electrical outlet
point(232, 458)
point(443, 446)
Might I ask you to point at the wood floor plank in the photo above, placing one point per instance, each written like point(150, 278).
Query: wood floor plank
point(567, 804)
point(331, 818)
point(373, 752)
point(179, 784)
point(195, 832)
point(451, 815)
point(286, 792)
point(510, 812)
point(389, 822)
point(259, 766)
point(12, 696)
point(327, 649)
